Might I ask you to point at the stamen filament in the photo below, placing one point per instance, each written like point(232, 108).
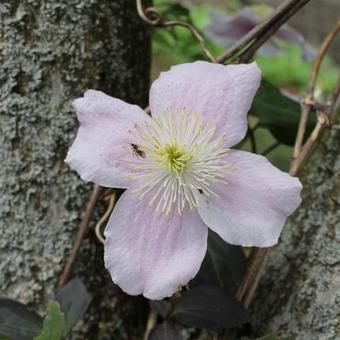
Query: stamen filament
point(184, 159)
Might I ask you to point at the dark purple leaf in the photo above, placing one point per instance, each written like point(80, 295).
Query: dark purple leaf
point(165, 331)
point(278, 113)
point(163, 308)
point(17, 322)
point(223, 266)
point(74, 300)
point(209, 307)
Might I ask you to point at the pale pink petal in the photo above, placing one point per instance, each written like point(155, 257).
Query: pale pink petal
point(152, 254)
point(101, 147)
point(222, 94)
point(253, 207)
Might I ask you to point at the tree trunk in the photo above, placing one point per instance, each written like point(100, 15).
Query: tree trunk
point(50, 53)
point(300, 293)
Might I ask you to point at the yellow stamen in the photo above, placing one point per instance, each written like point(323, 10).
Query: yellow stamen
point(175, 156)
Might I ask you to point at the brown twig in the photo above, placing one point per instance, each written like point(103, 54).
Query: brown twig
point(255, 38)
point(308, 102)
point(323, 50)
point(306, 106)
point(308, 147)
point(251, 272)
point(254, 272)
point(120, 309)
point(80, 234)
point(262, 255)
point(286, 13)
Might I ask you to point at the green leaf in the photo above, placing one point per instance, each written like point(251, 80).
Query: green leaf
point(278, 113)
point(4, 337)
point(165, 331)
point(209, 307)
point(172, 10)
point(223, 266)
point(290, 69)
point(200, 16)
point(17, 322)
point(54, 322)
point(74, 300)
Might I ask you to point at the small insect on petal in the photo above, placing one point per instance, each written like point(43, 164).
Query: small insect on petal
point(184, 159)
point(137, 151)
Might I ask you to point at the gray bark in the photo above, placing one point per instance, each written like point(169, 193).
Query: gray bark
point(300, 293)
point(50, 53)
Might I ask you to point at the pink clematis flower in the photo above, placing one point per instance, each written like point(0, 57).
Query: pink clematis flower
point(180, 174)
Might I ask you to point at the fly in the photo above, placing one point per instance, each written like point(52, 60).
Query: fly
point(136, 151)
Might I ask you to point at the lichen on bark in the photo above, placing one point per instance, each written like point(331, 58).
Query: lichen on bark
point(300, 293)
point(50, 53)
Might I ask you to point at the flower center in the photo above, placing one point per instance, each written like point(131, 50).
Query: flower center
point(182, 160)
point(175, 156)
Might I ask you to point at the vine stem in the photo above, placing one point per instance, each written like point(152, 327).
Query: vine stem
point(308, 102)
point(82, 228)
point(153, 17)
point(98, 228)
point(151, 323)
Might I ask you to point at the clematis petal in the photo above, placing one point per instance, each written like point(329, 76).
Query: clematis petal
point(222, 94)
point(102, 144)
point(153, 254)
point(253, 206)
